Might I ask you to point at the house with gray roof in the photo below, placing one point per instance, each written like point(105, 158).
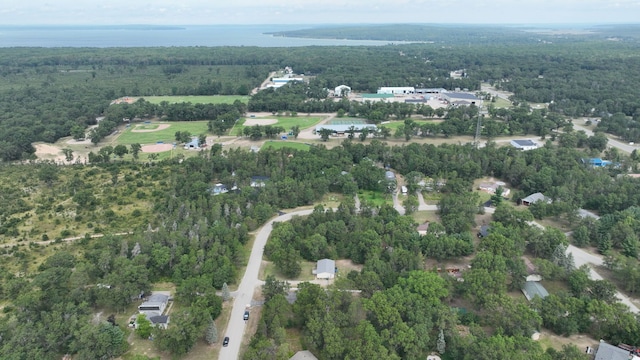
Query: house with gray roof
point(534, 198)
point(154, 305)
point(610, 352)
point(325, 269)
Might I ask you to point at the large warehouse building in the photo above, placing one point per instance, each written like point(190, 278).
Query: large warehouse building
point(397, 90)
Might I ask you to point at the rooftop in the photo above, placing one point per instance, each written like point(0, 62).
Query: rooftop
point(525, 142)
point(532, 289)
point(610, 352)
point(326, 266)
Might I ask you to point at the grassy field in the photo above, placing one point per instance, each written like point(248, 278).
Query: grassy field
point(285, 144)
point(212, 99)
point(287, 122)
point(268, 268)
point(166, 135)
point(501, 103)
point(375, 198)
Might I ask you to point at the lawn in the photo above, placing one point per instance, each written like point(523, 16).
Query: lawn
point(287, 122)
point(423, 216)
point(500, 103)
point(279, 144)
point(268, 268)
point(167, 135)
point(375, 198)
point(212, 99)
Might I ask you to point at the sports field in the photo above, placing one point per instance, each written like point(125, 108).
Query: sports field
point(212, 99)
point(285, 144)
point(132, 134)
point(286, 122)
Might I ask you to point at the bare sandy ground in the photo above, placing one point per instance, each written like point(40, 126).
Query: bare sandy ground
point(259, 121)
point(47, 151)
point(160, 127)
point(156, 148)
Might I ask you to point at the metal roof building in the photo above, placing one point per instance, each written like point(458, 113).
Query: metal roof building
point(532, 289)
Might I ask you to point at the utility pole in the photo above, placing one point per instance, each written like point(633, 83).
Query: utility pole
point(476, 139)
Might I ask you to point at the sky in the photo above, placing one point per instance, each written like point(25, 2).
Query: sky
point(215, 12)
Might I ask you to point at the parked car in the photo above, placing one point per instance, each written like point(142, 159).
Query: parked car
point(246, 315)
point(225, 342)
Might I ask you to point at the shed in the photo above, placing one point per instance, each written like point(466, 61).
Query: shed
point(524, 145)
point(610, 352)
point(325, 269)
point(532, 289)
point(389, 175)
point(218, 189)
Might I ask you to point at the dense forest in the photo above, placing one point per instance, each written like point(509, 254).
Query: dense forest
point(196, 241)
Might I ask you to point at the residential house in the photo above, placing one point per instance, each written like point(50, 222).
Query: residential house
point(493, 186)
point(534, 198)
point(423, 228)
point(161, 321)
point(325, 269)
point(155, 304)
point(610, 352)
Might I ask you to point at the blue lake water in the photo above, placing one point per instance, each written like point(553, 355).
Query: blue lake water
point(153, 36)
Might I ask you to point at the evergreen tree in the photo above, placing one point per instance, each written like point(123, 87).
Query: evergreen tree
point(441, 344)
point(211, 334)
point(226, 294)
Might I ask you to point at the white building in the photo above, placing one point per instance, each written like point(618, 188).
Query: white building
point(279, 82)
point(524, 144)
point(342, 90)
point(325, 269)
point(397, 90)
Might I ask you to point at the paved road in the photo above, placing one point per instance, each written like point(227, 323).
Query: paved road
point(244, 294)
point(612, 142)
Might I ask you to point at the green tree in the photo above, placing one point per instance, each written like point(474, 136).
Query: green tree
point(135, 150)
point(226, 294)
point(143, 326)
point(120, 150)
point(68, 154)
point(325, 133)
point(410, 204)
point(296, 131)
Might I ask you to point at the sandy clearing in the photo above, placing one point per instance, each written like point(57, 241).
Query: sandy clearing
point(160, 127)
point(263, 122)
point(46, 149)
point(156, 148)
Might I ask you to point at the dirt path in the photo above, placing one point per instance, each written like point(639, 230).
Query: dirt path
point(264, 83)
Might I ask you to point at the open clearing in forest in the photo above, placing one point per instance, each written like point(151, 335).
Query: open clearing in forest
point(166, 134)
point(287, 122)
point(280, 144)
point(212, 99)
